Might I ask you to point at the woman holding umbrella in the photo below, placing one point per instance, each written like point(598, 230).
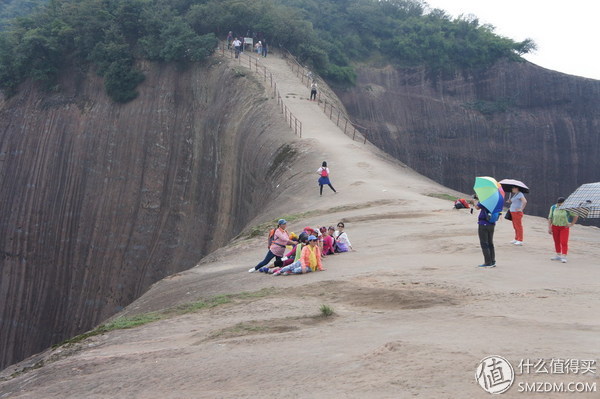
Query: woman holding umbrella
point(559, 221)
point(489, 199)
point(517, 203)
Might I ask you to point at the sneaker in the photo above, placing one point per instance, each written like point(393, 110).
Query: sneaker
point(484, 265)
point(264, 269)
point(285, 274)
point(276, 274)
point(519, 243)
point(252, 270)
point(555, 258)
point(563, 260)
point(514, 241)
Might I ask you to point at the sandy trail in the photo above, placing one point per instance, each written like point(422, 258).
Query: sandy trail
point(413, 313)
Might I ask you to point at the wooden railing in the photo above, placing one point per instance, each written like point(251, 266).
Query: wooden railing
point(331, 107)
point(252, 63)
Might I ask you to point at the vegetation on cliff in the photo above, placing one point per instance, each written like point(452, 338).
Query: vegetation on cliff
point(11, 9)
point(327, 34)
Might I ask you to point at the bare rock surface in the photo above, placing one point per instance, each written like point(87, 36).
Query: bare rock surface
point(413, 314)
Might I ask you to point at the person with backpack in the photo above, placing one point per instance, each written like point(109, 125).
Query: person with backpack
point(323, 172)
point(277, 243)
point(559, 223)
point(486, 228)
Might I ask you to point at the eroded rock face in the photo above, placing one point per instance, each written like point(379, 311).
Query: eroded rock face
point(100, 200)
point(517, 121)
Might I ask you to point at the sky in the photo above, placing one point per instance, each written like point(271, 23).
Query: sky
point(567, 33)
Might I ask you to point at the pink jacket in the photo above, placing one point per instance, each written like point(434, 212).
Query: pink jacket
point(280, 240)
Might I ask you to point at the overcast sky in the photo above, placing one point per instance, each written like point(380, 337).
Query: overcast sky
point(567, 33)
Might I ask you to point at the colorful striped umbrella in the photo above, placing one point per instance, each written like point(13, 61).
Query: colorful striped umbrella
point(490, 193)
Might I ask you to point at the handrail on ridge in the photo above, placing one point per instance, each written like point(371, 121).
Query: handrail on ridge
point(294, 122)
point(340, 114)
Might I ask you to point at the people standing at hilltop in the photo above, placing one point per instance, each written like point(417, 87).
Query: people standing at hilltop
point(517, 206)
point(265, 49)
point(559, 223)
point(229, 39)
point(313, 91)
point(237, 46)
point(323, 172)
point(277, 248)
point(342, 242)
point(486, 235)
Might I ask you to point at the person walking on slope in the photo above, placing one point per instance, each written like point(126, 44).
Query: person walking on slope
point(486, 235)
point(559, 222)
point(517, 205)
point(323, 172)
point(313, 91)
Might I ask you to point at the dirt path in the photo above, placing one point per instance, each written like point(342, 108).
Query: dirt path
point(413, 313)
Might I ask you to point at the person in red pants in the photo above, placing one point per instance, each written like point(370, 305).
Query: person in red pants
point(517, 205)
point(559, 222)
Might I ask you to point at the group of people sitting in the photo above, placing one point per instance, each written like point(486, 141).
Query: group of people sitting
point(307, 249)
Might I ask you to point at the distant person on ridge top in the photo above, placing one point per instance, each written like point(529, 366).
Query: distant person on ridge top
point(313, 91)
point(559, 222)
point(517, 205)
point(323, 172)
point(229, 39)
point(265, 50)
point(237, 45)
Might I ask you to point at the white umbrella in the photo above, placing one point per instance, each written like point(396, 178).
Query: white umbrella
point(508, 184)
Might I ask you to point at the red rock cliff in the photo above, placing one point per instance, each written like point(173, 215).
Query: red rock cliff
point(516, 120)
point(100, 200)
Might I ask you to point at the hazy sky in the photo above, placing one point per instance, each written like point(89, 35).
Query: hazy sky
point(567, 33)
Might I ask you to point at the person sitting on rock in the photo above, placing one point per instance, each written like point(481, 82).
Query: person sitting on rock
point(329, 242)
point(310, 260)
point(277, 249)
point(296, 252)
point(342, 242)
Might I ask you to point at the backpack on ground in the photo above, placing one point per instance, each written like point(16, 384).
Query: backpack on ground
point(461, 203)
